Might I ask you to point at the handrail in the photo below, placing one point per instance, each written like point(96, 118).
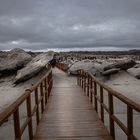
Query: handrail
point(118, 94)
point(45, 86)
point(89, 83)
point(62, 66)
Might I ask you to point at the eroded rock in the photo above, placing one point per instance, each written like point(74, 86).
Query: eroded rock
point(15, 60)
point(84, 64)
point(134, 72)
point(110, 71)
point(124, 65)
point(34, 67)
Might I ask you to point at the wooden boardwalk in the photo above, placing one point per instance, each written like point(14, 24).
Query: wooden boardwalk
point(69, 115)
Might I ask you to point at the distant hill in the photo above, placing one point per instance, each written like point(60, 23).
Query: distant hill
point(130, 52)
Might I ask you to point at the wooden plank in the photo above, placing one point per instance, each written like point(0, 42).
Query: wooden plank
point(69, 114)
point(77, 138)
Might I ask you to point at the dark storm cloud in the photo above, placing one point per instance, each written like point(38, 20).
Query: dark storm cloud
point(41, 24)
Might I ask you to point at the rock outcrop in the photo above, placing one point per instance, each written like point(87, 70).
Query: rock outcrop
point(134, 72)
point(34, 67)
point(101, 68)
point(84, 64)
point(110, 71)
point(15, 60)
point(94, 67)
point(124, 65)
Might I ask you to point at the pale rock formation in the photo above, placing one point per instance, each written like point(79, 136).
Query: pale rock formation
point(15, 60)
point(34, 67)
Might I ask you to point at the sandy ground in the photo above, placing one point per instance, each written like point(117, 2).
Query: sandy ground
point(9, 92)
point(126, 84)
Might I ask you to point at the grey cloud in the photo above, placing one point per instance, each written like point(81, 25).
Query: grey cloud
point(42, 24)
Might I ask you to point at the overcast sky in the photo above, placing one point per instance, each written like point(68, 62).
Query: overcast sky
point(42, 24)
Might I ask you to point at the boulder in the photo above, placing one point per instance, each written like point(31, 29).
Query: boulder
point(34, 67)
point(97, 69)
point(134, 72)
point(15, 60)
point(110, 71)
point(93, 67)
point(137, 66)
point(84, 64)
point(124, 65)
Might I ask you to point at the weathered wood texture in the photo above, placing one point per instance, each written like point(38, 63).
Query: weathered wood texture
point(69, 115)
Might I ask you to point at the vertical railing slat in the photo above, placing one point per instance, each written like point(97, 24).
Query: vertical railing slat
point(81, 78)
point(88, 85)
point(129, 122)
point(91, 86)
point(46, 94)
point(84, 81)
point(17, 129)
point(42, 95)
point(29, 114)
point(111, 113)
point(101, 104)
point(37, 109)
point(95, 94)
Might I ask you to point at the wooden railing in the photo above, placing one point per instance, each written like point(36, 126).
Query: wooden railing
point(89, 83)
point(62, 66)
point(41, 91)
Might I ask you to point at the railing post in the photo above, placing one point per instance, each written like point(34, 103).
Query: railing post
point(78, 78)
point(29, 114)
point(37, 109)
point(111, 112)
point(48, 83)
point(17, 129)
point(101, 104)
point(42, 95)
point(82, 78)
point(95, 94)
point(88, 85)
point(47, 79)
point(84, 81)
point(91, 86)
point(51, 80)
point(129, 122)
point(46, 94)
